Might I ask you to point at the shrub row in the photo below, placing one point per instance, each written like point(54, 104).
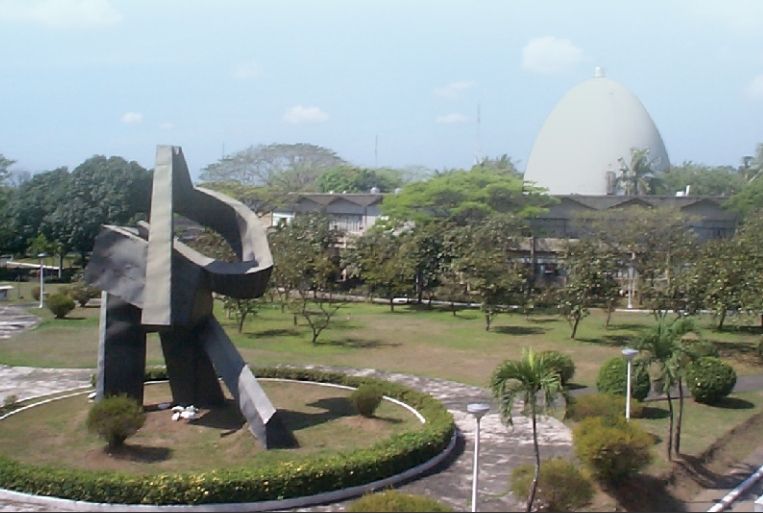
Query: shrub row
point(306, 476)
point(612, 378)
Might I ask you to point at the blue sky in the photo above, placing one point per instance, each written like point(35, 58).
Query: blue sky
point(85, 77)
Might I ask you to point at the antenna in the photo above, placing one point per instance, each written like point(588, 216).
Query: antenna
point(376, 150)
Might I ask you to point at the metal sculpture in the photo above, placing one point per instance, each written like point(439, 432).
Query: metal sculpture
point(152, 282)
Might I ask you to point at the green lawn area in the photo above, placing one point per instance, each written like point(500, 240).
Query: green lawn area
point(412, 340)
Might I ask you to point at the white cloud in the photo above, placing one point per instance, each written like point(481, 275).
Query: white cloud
point(454, 89)
point(131, 118)
point(451, 119)
point(167, 125)
point(550, 55)
point(61, 13)
point(247, 69)
point(300, 114)
point(755, 88)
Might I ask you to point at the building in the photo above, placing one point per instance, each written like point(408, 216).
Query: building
point(351, 213)
point(589, 133)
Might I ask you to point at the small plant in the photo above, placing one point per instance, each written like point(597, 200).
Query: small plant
point(9, 403)
point(36, 293)
point(601, 405)
point(392, 501)
point(563, 364)
point(366, 398)
point(700, 347)
point(81, 292)
point(613, 378)
point(612, 449)
point(561, 486)
point(710, 379)
point(115, 419)
point(60, 304)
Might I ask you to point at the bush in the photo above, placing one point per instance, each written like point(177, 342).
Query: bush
point(612, 378)
point(60, 304)
point(81, 292)
point(365, 399)
point(601, 405)
point(710, 379)
point(115, 419)
point(612, 449)
point(564, 365)
point(701, 347)
point(36, 293)
point(260, 481)
point(391, 500)
point(561, 486)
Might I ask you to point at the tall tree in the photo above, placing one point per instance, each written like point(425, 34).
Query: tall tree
point(101, 190)
point(703, 180)
point(533, 375)
point(465, 197)
point(355, 179)
point(284, 167)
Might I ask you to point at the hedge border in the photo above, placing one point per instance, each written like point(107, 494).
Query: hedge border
point(276, 482)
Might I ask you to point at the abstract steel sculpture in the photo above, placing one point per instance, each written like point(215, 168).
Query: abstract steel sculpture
point(152, 282)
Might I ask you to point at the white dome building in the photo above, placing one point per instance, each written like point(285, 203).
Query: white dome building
point(592, 126)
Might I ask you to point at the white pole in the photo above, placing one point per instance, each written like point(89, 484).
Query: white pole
point(628, 394)
point(475, 475)
point(42, 284)
point(630, 286)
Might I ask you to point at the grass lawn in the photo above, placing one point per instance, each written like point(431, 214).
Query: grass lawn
point(321, 419)
point(412, 340)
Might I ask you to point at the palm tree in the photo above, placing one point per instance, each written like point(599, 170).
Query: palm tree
point(662, 346)
point(525, 379)
point(636, 178)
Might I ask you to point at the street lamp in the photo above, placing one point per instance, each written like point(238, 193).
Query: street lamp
point(478, 410)
point(629, 354)
point(42, 279)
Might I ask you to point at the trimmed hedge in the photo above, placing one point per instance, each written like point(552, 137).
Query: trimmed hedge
point(365, 399)
point(295, 478)
point(613, 378)
point(710, 379)
point(612, 449)
point(601, 405)
point(60, 304)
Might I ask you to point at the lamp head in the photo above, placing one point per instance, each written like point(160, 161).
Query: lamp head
point(478, 409)
point(629, 353)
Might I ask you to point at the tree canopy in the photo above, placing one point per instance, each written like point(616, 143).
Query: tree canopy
point(355, 179)
point(704, 180)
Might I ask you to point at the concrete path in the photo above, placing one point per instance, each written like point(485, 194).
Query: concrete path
point(14, 319)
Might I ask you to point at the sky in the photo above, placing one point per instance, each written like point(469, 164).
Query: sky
point(380, 82)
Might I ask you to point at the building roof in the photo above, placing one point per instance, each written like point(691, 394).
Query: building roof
point(593, 125)
point(326, 199)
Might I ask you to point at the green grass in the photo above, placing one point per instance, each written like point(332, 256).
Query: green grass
point(320, 418)
point(702, 424)
point(411, 340)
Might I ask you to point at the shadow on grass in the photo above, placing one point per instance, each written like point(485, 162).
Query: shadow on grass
point(627, 326)
point(547, 320)
point(753, 330)
point(357, 343)
point(224, 417)
point(734, 403)
point(695, 468)
point(276, 332)
point(645, 493)
point(608, 340)
point(519, 330)
point(69, 318)
point(650, 412)
point(141, 453)
point(335, 407)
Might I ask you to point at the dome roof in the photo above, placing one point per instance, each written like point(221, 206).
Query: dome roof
point(592, 126)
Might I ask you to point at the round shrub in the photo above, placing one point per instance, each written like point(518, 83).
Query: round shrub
point(366, 398)
point(563, 365)
point(36, 293)
point(710, 379)
point(700, 347)
point(561, 486)
point(391, 500)
point(612, 449)
point(60, 304)
point(613, 377)
point(115, 419)
point(81, 292)
point(601, 405)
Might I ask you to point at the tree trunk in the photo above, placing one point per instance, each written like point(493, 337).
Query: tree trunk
point(610, 309)
point(536, 474)
point(391, 304)
point(575, 327)
point(241, 319)
point(487, 321)
point(670, 423)
point(722, 319)
point(679, 420)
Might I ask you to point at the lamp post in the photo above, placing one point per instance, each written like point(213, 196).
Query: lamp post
point(42, 279)
point(629, 354)
point(478, 410)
